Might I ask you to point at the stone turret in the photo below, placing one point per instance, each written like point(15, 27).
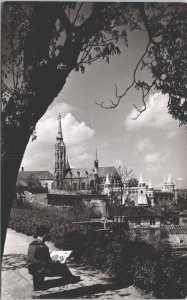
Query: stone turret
point(142, 197)
point(107, 186)
point(150, 194)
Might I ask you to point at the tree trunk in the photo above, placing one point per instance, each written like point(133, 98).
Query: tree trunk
point(13, 148)
point(45, 82)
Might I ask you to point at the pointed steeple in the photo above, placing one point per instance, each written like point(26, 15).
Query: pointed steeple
point(96, 158)
point(59, 135)
point(169, 179)
point(141, 179)
point(150, 186)
point(107, 181)
point(96, 163)
point(67, 164)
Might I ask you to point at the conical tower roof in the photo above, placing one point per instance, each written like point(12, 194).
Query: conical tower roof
point(59, 135)
point(169, 179)
point(141, 179)
point(96, 157)
point(107, 181)
point(67, 164)
point(150, 186)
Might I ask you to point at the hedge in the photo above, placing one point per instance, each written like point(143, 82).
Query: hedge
point(150, 266)
point(27, 218)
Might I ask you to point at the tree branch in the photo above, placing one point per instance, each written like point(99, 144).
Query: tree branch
point(81, 4)
point(119, 97)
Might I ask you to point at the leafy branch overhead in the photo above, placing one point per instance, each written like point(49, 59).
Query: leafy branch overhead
point(44, 41)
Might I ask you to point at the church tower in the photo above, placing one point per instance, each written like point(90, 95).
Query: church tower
point(60, 157)
point(169, 185)
point(142, 197)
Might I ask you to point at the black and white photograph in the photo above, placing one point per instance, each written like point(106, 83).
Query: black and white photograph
point(93, 150)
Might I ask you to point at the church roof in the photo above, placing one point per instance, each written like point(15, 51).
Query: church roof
point(41, 175)
point(111, 171)
point(85, 172)
point(80, 172)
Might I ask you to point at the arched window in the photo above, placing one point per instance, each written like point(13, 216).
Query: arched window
point(75, 186)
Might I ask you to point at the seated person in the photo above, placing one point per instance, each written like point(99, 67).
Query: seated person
point(40, 263)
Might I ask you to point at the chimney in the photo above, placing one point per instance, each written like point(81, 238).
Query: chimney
point(22, 169)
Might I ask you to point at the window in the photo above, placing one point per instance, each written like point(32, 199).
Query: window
point(75, 186)
point(52, 185)
point(83, 185)
point(141, 192)
point(152, 221)
point(137, 221)
point(46, 185)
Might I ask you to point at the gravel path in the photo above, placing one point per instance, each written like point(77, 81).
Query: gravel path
point(17, 282)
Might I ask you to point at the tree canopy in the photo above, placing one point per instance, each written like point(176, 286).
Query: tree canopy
point(43, 40)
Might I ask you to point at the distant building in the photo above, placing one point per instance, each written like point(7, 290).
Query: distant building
point(68, 182)
point(103, 180)
point(137, 216)
point(145, 195)
point(80, 179)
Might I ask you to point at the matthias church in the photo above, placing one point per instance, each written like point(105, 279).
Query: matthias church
point(104, 180)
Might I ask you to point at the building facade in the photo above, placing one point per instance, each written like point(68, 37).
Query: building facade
point(80, 179)
point(104, 180)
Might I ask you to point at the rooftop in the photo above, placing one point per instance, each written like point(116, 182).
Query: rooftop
point(85, 172)
point(137, 211)
point(41, 175)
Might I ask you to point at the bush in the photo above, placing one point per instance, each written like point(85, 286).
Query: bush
point(162, 273)
point(29, 217)
point(151, 266)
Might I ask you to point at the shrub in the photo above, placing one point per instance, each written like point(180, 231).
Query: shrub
point(149, 265)
point(162, 273)
point(25, 220)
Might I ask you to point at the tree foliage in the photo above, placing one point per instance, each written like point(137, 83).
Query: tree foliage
point(34, 185)
point(132, 182)
point(39, 38)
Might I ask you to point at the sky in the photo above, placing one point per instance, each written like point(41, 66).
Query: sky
point(154, 144)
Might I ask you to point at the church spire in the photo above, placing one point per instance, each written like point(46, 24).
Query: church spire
point(96, 155)
point(150, 186)
point(59, 135)
point(67, 164)
point(169, 179)
point(141, 179)
point(96, 163)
